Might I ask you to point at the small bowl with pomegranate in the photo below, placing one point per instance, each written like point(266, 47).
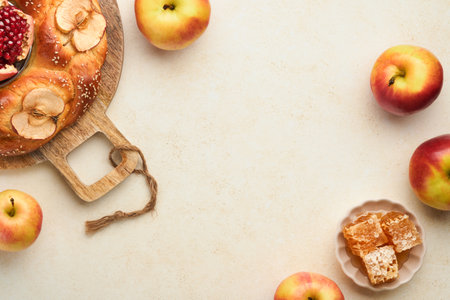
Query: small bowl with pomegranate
point(16, 40)
point(380, 245)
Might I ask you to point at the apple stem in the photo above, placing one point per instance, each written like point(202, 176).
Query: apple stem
point(392, 80)
point(169, 6)
point(12, 212)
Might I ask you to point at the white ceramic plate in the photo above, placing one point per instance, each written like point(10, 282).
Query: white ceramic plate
point(407, 270)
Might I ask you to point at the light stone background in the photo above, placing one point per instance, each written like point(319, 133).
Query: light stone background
point(262, 135)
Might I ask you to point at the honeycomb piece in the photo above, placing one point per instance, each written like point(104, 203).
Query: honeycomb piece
point(381, 265)
point(364, 234)
point(400, 230)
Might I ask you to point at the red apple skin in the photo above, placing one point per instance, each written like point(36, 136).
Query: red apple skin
point(19, 231)
point(172, 29)
point(308, 286)
point(429, 172)
point(406, 79)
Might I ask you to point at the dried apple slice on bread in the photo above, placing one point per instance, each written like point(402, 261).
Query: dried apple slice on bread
point(82, 21)
point(37, 120)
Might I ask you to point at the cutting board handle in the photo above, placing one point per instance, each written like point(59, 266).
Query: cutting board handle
point(99, 122)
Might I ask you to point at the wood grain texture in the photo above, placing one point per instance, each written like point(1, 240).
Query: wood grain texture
point(93, 121)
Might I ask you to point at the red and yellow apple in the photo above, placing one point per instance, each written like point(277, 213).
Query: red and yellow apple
point(20, 220)
point(406, 79)
point(429, 172)
point(172, 24)
point(308, 286)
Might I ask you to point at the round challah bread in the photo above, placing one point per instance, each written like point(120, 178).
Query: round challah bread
point(61, 78)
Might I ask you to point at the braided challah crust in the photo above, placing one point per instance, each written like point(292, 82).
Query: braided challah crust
point(55, 66)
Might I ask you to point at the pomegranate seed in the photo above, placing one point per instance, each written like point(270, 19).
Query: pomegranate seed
point(13, 29)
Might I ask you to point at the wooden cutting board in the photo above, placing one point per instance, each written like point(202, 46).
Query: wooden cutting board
point(93, 121)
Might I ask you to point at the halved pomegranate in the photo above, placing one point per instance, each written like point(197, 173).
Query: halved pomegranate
point(16, 38)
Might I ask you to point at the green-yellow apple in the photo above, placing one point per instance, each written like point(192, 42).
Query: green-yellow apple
point(308, 286)
point(20, 220)
point(172, 24)
point(406, 79)
point(429, 172)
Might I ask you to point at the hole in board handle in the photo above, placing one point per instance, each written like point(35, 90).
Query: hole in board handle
point(90, 161)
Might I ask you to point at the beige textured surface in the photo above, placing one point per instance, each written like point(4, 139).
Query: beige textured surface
point(262, 135)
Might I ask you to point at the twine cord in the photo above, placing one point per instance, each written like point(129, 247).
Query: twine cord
point(93, 226)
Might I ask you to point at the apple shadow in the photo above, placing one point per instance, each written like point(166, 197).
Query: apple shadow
point(171, 55)
point(392, 119)
point(11, 259)
point(152, 51)
point(407, 121)
point(435, 214)
point(425, 210)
